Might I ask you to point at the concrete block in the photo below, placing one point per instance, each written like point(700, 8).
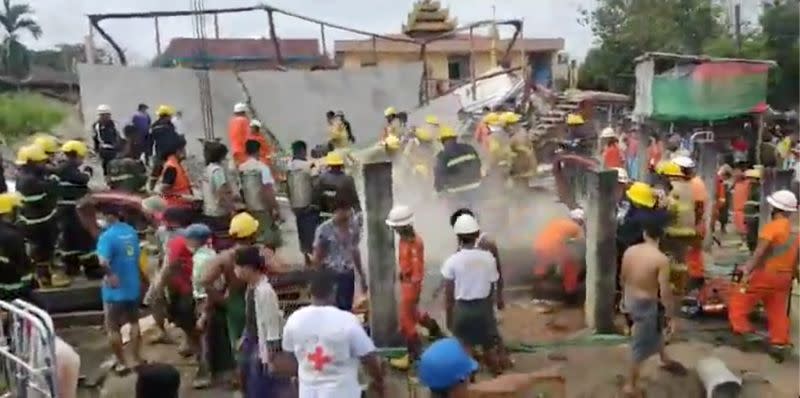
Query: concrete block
point(601, 251)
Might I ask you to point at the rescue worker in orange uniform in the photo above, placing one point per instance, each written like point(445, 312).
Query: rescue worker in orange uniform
point(238, 129)
point(483, 130)
point(612, 154)
point(558, 249)
point(767, 276)
point(174, 184)
point(411, 272)
point(694, 253)
point(257, 134)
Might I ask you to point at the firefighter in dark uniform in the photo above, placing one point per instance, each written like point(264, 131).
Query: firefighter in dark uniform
point(334, 180)
point(37, 215)
point(105, 136)
point(76, 244)
point(457, 174)
point(16, 273)
point(127, 172)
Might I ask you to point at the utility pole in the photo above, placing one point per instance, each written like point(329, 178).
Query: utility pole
point(737, 20)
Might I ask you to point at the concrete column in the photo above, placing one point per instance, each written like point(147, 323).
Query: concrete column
point(644, 143)
point(380, 264)
point(601, 251)
point(707, 170)
point(767, 187)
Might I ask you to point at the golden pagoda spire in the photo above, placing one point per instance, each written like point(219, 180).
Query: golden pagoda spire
point(428, 18)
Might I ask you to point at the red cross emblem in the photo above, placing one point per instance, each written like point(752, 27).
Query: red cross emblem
point(319, 359)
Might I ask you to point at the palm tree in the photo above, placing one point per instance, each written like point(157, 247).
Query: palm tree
point(16, 18)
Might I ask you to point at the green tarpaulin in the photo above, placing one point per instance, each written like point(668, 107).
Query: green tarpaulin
point(709, 91)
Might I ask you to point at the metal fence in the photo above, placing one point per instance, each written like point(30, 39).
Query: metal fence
point(27, 351)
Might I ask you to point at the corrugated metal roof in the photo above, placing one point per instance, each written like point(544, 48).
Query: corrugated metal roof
point(184, 47)
point(455, 44)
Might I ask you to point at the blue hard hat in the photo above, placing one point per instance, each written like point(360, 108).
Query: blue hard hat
point(199, 232)
point(445, 364)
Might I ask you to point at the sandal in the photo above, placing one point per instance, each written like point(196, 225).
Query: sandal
point(674, 368)
point(120, 369)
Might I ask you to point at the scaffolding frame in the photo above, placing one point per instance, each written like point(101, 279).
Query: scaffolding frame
point(424, 97)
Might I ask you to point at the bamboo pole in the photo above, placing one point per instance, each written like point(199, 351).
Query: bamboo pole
point(158, 37)
point(274, 37)
point(324, 44)
point(472, 62)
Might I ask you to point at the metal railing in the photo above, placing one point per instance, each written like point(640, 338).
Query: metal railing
point(27, 351)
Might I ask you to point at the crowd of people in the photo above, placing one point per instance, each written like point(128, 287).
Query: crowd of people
point(205, 259)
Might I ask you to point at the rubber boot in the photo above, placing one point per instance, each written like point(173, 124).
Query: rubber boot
point(59, 278)
point(778, 353)
point(43, 276)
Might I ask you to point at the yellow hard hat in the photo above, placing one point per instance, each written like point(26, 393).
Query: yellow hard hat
point(641, 194)
point(492, 119)
point(389, 111)
point(670, 169)
point(9, 201)
point(165, 110)
point(243, 225)
point(510, 117)
point(334, 159)
point(78, 147)
point(422, 134)
point(431, 119)
point(30, 153)
point(753, 173)
point(47, 142)
point(391, 142)
point(447, 132)
point(574, 119)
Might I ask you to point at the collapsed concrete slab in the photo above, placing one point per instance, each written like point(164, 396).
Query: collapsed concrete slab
point(292, 104)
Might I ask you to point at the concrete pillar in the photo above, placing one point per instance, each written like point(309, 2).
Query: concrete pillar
point(380, 264)
point(767, 187)
point(601, 251)
point(642, 164)
point(707, 162)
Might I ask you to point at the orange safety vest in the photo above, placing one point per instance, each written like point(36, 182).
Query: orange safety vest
point(173, 194)
point(238, 129)
point(782, 257)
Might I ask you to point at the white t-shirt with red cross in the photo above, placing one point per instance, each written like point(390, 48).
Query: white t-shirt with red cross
point(328, 344)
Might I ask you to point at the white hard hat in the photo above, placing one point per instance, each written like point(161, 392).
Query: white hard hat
point(681, 152)
point(622, 175)
point(400, 216)
point(240, 107)
point(466, 224)
point(783, 199)
point(608, 132)
point(577, 214)
point(103, 109)
point(255, 123)
point(683, 161)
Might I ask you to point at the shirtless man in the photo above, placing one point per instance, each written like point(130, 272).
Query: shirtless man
point(645, 278)
point(230, 295)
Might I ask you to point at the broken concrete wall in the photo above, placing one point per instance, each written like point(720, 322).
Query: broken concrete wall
point(292, 104)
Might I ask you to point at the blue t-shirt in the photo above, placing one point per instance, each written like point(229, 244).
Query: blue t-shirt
point(119, 246)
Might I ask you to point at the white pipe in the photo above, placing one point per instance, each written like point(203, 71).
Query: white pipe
point(717, 379)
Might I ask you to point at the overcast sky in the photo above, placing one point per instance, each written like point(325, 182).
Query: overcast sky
point(65, 21)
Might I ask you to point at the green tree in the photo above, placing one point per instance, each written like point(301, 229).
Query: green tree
point(781, 34)
point(16, 18)
point(625, 29)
